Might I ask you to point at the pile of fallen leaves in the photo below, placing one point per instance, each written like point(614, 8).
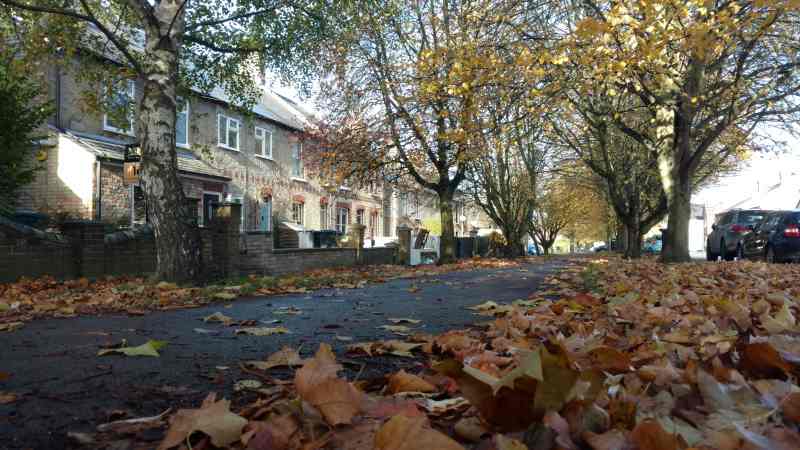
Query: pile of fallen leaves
point(653, 357)
point(28, 299)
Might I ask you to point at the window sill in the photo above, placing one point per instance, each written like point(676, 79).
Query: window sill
point(183, 146)
point(223, 146)
point(301, 180)
point(118, 131)
point(268, 158)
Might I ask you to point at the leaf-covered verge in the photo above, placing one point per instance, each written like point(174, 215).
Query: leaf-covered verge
point(29, 299)
point(654, 357)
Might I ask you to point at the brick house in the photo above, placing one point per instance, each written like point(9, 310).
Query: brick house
point(223, 154)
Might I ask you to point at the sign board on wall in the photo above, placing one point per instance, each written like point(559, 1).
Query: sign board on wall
point(130, 173)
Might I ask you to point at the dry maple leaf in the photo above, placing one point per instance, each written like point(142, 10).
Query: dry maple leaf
point(214, 418)
point(317, 383)
point(403, 381)
point(285, 357)
point(405, 433)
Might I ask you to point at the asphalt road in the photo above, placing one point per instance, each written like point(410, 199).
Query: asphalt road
point(64, 386)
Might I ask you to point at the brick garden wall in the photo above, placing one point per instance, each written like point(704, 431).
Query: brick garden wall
point(25, 251)
point(85, 250)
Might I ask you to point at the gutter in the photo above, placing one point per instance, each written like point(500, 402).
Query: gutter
point(98, 176)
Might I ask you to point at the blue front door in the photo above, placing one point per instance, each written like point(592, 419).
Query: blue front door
point(265, 215)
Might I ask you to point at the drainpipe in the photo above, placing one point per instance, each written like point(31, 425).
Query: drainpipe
point(99, 194)
point(58, 98)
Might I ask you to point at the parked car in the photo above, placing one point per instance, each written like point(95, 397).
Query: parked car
point(774, 239)
point(725, 240)
point(652, 245)
point(600, 248)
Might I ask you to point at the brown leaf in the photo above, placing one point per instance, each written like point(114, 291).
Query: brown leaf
point(214, 418)
point(317, 383)
point(405, 382)
point(508, 410)
point(610, 360)
point(274, 434)
point(7, 397)
point(649, 435)
point(286, 357)
point(615, 439)
point(791, 407)
point(404, 433)
point(470, 429)
point(761, 360)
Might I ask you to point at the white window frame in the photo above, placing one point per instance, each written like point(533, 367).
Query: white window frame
point(228, 122)
point(360, 215)
point(324, 217)
point(297, 159)
point(342, 227)
point(185, 111)
point(302, 213)
point(131, 131)
point(266, 143)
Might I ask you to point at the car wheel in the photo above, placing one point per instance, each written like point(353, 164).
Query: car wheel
point(739, 252)
point(723, 252)
point(710, 256)
point(770, 255)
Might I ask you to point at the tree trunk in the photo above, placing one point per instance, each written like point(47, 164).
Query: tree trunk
point(447, 243)
point(546, 247)
point(633, 246)
point(677, 185)
point(621, 244)
point(176, 235)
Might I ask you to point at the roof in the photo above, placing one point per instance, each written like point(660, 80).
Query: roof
point(114, 149)
point(270, 106)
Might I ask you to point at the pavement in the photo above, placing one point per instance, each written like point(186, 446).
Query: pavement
point(65, 387)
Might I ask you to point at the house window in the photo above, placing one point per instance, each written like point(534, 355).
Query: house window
point(417, 211)
point(403, 204)
point(297, 213)
point(360, 216)
point(228, 132)
point(297, 161)
point(342, 218)
point(263, 143)
point(182, 124)
point(119, 106)
point(373, 224)
point(323, 217)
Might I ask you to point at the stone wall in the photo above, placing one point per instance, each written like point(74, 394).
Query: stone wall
point(25, 251)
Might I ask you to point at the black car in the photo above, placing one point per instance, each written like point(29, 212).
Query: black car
point(727, 233)
point(774, 239)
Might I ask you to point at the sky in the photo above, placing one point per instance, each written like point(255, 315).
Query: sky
point(756, 174)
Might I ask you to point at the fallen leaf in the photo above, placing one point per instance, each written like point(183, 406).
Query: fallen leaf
point(470, 429)
point(398, 329)
point(318, 384)
point(149, 348)
point(286, 357)
point(133, 425)
point(11, 326)
point(247, 385)
point(406, 382)
point(648, 435)
point(262, 331)
point(225, 296)
point(343, 338)
point(505, 443)
point(400, 320)
point(791, 407)
point(219, 317)
point(214, 418)
point(7, 397)
point(404, 433)
point(274, 434)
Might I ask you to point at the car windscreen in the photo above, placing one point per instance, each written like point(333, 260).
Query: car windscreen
point(794, 218)
point(751, 217)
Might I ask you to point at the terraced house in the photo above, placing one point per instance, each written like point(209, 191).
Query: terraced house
point(224, 154)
